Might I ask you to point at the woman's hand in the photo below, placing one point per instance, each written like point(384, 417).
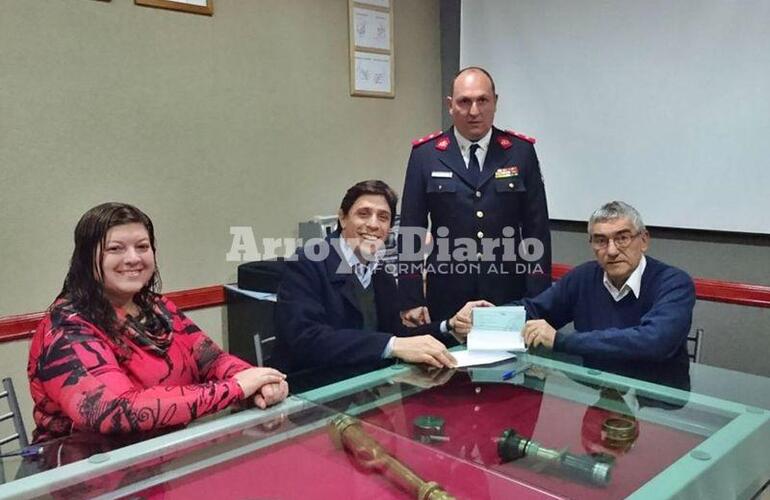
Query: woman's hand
point(254, 379)
point(270, 394)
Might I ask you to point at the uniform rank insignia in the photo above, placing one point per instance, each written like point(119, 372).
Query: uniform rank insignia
point(423, 140)
point(504, 173)
point(525, 137)
point(442, 144)
point(504, 142)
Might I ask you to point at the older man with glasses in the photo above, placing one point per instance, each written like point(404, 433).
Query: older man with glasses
point(624, 306)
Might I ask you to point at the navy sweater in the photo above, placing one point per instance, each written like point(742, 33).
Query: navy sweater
point(653, 327)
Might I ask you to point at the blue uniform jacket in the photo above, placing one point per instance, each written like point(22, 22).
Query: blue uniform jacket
point(318, 322)
point(509, 194)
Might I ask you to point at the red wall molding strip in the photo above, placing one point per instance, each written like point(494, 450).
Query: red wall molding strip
point(727, 292)
point(18, 327)
point(22, 326)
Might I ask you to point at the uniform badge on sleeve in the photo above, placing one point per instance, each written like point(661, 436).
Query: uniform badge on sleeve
point(504, 173)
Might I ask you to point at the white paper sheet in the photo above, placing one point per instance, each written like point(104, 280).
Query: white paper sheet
point(474, 358)
point(373, 72)
point(488, 340)
point(372, 28)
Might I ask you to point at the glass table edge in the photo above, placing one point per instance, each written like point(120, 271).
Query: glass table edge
point(750, 423)
point(44, 482)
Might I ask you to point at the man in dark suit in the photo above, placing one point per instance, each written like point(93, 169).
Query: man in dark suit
point(338, 309)
point(484, 193)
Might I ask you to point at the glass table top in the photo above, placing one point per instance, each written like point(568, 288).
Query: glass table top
point(551, 429)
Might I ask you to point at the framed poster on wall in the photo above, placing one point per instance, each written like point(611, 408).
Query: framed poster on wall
point(205, 7)
point(371, 48)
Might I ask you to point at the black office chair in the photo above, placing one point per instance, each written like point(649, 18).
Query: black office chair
point(693, 345)
point(19, 432)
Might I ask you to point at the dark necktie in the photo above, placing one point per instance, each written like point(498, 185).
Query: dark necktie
point(474, 169)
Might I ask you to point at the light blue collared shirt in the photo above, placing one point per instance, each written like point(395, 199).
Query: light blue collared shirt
point(363, 271)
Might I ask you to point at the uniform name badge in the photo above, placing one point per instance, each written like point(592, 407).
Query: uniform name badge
point(441, 175)
point(504, 173)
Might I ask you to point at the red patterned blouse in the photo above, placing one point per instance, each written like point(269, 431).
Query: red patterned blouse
point(82, 379)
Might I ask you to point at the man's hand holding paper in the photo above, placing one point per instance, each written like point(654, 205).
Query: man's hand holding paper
point(460, 324)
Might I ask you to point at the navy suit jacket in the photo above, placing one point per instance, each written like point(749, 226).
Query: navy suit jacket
point(318, 321)
point(508, 194)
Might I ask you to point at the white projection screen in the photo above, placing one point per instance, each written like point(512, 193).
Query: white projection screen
point(665, 105)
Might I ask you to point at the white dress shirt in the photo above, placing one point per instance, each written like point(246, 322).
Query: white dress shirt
point(465, 147)
point(633, 284)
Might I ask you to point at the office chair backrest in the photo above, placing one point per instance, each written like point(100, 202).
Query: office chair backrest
point(13, 414)
point(693, 345)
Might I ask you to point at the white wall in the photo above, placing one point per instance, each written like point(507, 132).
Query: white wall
point(665, 105)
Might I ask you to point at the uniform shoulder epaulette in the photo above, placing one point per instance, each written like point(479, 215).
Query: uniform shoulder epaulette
point(521, 136)
point(423, 140)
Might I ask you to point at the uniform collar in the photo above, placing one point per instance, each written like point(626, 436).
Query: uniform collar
point(465, 144)
point(633, 284)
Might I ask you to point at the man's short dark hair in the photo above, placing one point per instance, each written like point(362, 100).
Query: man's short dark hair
point(474, 68)
point(374, 187)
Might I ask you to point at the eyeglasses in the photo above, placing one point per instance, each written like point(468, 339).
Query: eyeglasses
point(622, 240)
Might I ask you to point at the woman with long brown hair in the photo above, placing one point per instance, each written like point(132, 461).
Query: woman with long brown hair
point(112, 355)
